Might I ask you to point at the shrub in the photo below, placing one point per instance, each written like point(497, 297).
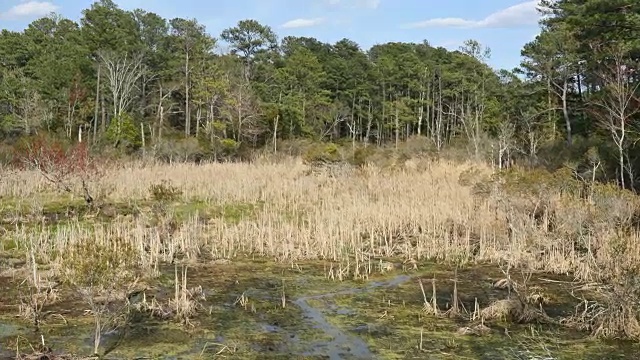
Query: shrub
point(96, 269)
point(164, 191)
point(122, 131)
point(361, 155)
point(65, 167)
point(322, 153)
point(178, 150)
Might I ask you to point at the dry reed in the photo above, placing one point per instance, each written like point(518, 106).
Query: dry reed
point(352, 217)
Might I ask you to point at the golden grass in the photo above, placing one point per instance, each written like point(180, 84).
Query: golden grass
point(364, 213)
point(353, 216)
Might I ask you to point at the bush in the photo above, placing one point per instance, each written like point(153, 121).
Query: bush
point(164, 191)
point(64, 167)
point(123, 132)
point(361, 155)
point(322, 153)
point(96, 269)
point(179, 150)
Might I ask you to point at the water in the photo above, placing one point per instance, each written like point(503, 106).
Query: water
point(341, 343)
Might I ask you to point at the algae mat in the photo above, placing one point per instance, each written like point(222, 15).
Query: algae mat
point(258, 309)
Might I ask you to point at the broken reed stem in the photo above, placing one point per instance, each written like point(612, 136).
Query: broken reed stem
point(424, 295)
point(284, 298)
point(476, 310)
point(454, 309)
point(434, 301)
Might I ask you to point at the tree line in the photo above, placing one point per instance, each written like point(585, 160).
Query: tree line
point(133, 81)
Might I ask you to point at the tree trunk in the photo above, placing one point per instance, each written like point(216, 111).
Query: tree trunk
point(621, 162)
point(198, 117)
point(275, 134)
point(95, 112)
point(187, 108)
point(565, 113)
point(369, 124)
point(397, 126)
point(104, 114)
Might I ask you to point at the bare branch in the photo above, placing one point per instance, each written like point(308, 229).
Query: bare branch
point(123, 74)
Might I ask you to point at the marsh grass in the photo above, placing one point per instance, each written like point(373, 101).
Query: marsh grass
point(358, 220)
point(277, 211)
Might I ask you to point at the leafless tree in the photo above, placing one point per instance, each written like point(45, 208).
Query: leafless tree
point(243, 112)
point(506, 136)
point(32, 112)
point(617, 102)
point(123, 73)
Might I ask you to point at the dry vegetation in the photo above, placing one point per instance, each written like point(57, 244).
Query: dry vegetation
point(351, 217)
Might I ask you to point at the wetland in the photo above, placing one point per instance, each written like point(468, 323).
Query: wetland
point(311, 266)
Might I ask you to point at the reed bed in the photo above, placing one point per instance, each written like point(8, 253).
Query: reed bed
point(289, 212)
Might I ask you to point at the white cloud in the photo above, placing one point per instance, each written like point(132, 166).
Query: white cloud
point(369, 4)
point(301, 23)
point(29, 9)
point(514, 16)
point(366, 4)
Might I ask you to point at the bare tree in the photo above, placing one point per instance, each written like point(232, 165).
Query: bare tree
point(506, 135)
point(160, 111)
point(617, 102)
point(339, 114)
point(123, 73)
point(32, 112)
point(243, 112)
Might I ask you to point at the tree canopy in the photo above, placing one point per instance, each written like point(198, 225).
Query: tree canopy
point(128, 79)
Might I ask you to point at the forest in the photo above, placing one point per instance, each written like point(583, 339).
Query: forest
point(133, 81)
point(170, 193)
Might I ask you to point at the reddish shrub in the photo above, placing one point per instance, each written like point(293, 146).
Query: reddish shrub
point(57, 163)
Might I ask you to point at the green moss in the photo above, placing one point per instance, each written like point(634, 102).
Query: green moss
point(235, 212)
point(390, 320)
point(184, 211)
point(8, 244)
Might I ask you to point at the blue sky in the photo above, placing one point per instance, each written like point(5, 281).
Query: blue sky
point(503, 25)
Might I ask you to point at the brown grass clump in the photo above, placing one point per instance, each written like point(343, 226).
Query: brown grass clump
point(506, 309)
point(502, 284)
point(478, 330)
point(515, 310)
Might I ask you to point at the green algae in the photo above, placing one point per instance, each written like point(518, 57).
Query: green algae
point(394, 325)
point(385, 312)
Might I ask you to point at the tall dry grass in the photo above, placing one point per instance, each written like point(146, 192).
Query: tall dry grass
point(350, 215)
point(356, 214)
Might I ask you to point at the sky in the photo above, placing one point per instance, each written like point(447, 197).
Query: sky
point(502, 25)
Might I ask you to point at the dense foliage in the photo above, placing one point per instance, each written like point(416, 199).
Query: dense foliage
point(132, 81)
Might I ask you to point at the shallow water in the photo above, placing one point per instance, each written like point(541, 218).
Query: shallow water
point(342, 343)
point(377, 319)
